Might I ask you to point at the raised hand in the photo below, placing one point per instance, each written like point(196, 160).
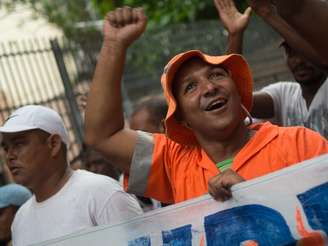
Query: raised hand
point(124, 25)
point(232, 19)
point(219, 186)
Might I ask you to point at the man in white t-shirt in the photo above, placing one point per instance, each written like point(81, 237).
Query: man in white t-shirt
point(64, 201)
point(303, 103)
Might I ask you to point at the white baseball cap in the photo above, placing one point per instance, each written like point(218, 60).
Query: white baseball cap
point(35, 117)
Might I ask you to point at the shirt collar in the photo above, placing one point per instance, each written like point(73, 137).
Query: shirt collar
point(264, 131)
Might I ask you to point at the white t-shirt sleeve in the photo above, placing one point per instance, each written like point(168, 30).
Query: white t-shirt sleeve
point(119, 207)
point(276, 91)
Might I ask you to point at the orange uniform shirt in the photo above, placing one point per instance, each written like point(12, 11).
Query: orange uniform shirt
point(171, 173)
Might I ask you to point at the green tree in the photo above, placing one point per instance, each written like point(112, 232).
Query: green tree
point(165, 12)
point(67, 15)
point(64, 14)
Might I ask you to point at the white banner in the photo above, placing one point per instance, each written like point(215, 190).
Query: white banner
point(288, 207)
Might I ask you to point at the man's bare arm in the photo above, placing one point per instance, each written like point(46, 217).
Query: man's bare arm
point(262, 105)
point(104, 120)
point(234, 22)
point(308, 18)
point(268, 12)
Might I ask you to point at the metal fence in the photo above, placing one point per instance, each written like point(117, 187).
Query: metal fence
point(31, 72)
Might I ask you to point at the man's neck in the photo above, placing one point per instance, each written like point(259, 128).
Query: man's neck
point(52, 184)
point(309, 90)
point(227, 147)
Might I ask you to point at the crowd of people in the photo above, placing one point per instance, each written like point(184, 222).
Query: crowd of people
point(201, 139)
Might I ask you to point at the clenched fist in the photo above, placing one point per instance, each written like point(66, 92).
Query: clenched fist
point(124, 25)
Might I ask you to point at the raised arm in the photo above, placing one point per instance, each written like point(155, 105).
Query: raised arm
point(309, 18)
point(268, 12)
point(263, 105)
point(234, 22)
point(104, 120)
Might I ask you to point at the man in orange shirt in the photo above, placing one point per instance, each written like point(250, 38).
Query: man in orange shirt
point(207, 146)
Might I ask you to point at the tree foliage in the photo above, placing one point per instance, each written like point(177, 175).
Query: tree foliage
point(165, 12)
point(64, 14)
point(161, 13)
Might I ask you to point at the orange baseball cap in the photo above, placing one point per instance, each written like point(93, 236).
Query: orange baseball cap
point(240, 73)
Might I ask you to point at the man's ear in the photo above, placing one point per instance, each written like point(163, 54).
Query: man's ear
point(54, 142)
point(178, 117)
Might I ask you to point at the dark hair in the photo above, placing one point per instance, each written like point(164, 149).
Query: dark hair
point(156, 105)
point(87, 152)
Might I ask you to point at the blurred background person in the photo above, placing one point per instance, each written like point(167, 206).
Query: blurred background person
point(148, 114)
point(95, 162)
point(12, 196)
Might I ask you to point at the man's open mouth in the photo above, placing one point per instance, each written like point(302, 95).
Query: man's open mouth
point(217, 104)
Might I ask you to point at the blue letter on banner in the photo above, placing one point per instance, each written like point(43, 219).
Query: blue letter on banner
point(247, 223)
point(141, 241)
point(177, 237)
point(315, 206)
